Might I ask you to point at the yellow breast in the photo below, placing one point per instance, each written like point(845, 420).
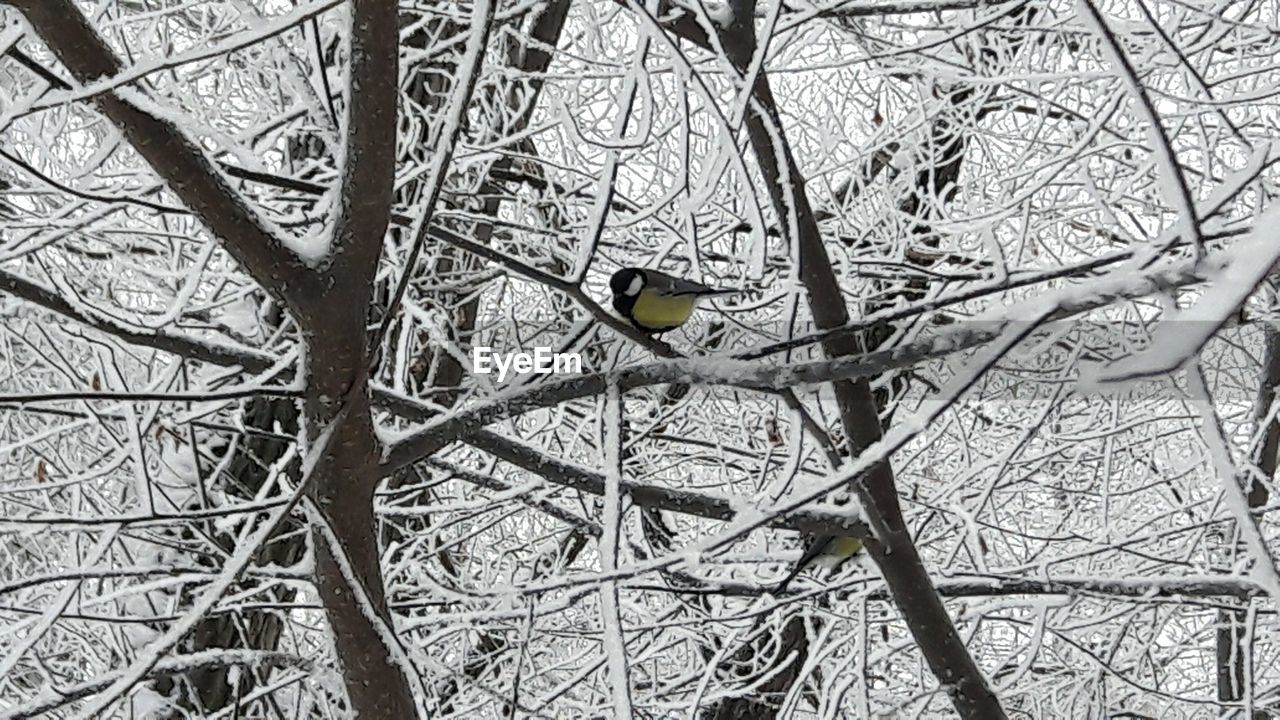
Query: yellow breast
point(657, 312)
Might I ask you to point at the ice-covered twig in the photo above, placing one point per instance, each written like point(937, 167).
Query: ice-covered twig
point(1233, 274)
point(235, 565)
point(1173, 184)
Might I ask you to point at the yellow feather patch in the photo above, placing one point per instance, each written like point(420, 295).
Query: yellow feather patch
point(657, 312)
point(845, 546)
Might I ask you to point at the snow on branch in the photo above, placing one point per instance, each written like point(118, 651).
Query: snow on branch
point(1233, 275)
point(369, 153)
point(679, 500)
point(1172, 182)
point(173, 155)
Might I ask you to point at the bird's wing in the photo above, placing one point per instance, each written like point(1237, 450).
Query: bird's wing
point(815, 548)
point(665, 284)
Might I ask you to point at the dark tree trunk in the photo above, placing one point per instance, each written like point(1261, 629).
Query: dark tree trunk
point(1232, 633)
point(894, 550)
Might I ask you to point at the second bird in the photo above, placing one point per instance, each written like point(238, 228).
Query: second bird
point(655, 302)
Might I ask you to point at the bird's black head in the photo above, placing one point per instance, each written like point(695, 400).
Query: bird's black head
point(627, 282)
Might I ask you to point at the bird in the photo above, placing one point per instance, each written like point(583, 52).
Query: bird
point(828, 551)
point(655, 302)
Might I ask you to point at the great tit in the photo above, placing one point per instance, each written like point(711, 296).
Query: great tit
point(827, 551)
point(655, 302)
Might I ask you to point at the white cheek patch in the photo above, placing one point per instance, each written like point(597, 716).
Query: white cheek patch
point(634, 289)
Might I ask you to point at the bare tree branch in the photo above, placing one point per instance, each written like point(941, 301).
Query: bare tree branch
point(188, 347)
point(1168, 159)
point(655, 496)
point(173, 156)
point(893, 548)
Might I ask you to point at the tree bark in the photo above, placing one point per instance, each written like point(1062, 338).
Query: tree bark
point(893, 549)
point(330, 304)
point(210, 688)
point(348, 569)
point(1232, 633)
